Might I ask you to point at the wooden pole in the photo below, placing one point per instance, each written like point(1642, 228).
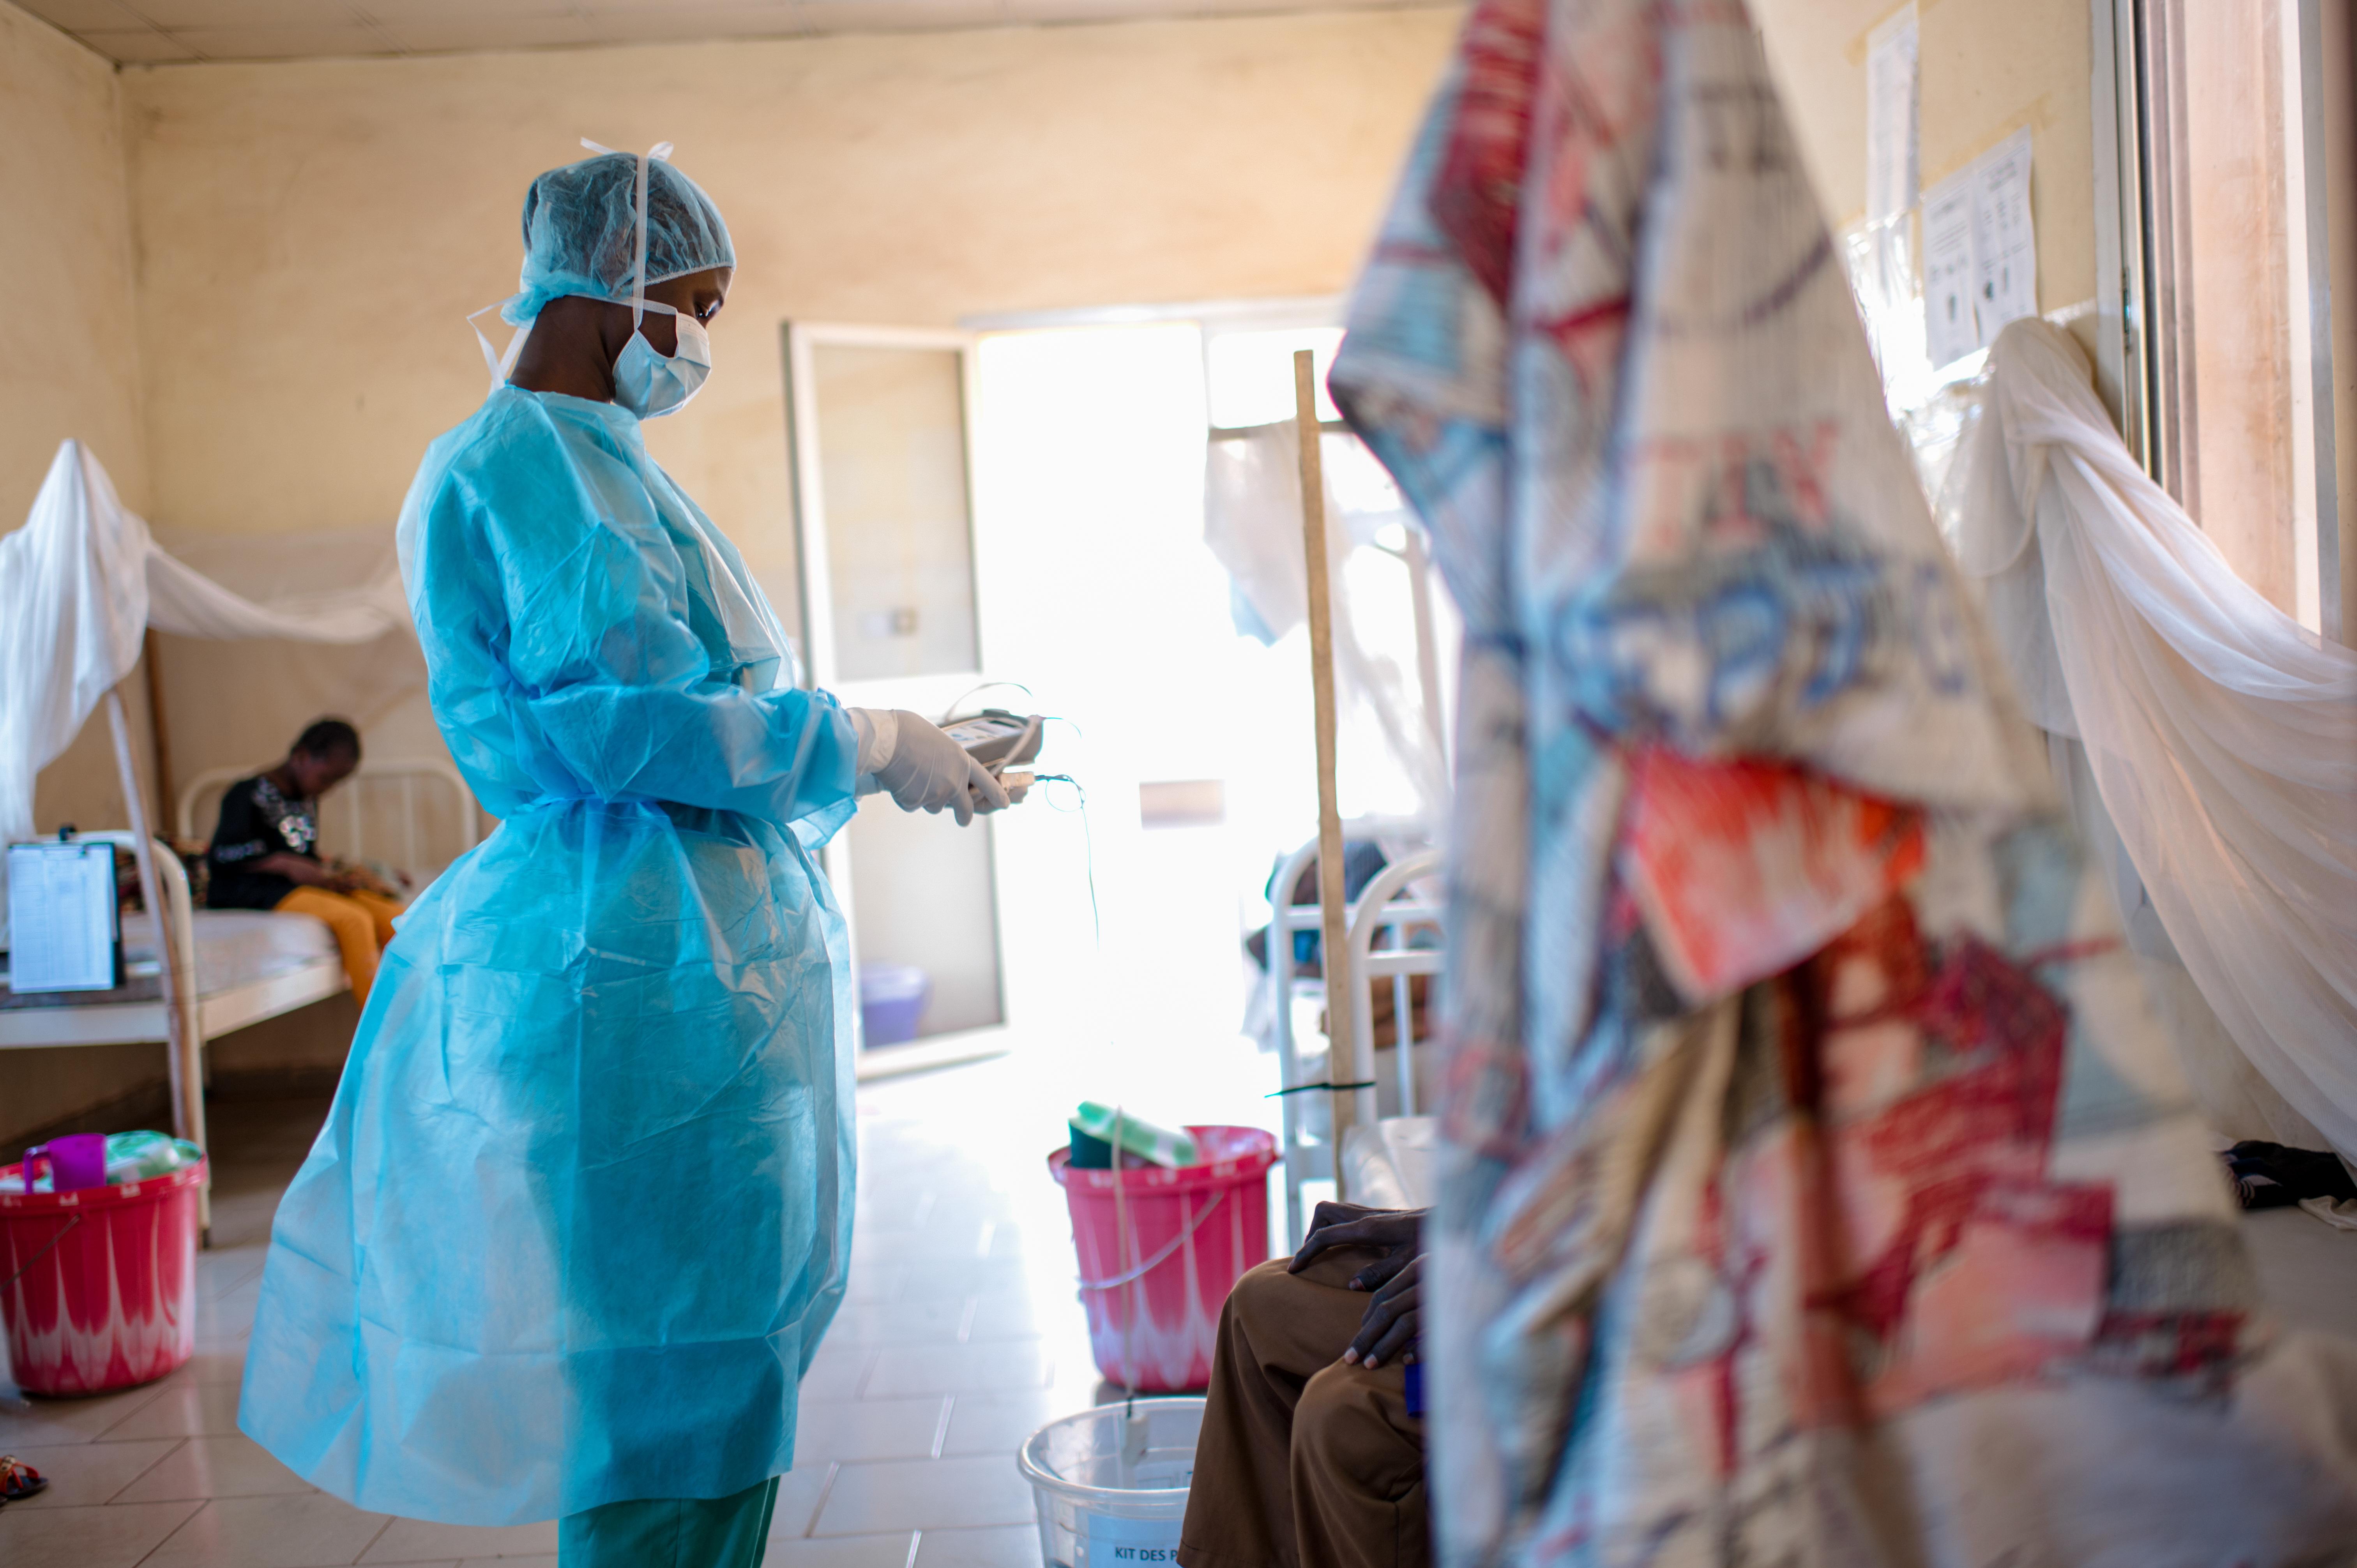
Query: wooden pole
point(1341, 995)
point(179, 1022)
point(1427, 651)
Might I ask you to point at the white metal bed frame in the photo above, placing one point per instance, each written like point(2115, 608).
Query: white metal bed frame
point(1379, 908)
point(99, 1022)
point(408, 772)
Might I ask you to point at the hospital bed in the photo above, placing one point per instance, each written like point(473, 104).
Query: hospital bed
point(1386, 1156)
point(245, 965)
point(1387, 1153)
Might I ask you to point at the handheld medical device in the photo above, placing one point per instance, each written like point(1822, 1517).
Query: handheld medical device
point(1000, 741)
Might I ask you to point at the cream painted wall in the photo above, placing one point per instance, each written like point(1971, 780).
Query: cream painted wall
point(70, 329)
point(1991, 67)
point(1817, 49)
point(312, 234)
point(66, 266)
point(71, 326)
point(1988, 67)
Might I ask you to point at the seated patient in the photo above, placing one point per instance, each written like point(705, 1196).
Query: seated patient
point(1308, 1457)
point(266, 854)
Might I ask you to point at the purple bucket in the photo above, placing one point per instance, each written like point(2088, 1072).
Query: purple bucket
point(892, 998)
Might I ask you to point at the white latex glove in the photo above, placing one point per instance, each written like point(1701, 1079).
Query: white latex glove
point(927, 772)
point(878, 730)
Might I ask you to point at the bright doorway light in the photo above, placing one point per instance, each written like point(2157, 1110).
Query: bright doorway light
point(1250, 374)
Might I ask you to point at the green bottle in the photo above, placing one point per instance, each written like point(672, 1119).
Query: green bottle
point(1162, 1145)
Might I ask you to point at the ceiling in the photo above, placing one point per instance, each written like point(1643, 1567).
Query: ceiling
point(144, 32)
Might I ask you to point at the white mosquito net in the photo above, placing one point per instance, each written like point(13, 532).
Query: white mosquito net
point(2208, 740)
point(81, 583)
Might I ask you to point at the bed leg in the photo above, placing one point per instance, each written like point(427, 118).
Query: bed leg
point(174, 957)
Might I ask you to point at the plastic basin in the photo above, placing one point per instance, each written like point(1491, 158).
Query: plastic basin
point(892, 998)
point(1112, 1482)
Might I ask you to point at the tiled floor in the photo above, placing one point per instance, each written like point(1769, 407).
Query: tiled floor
point(960, 1334)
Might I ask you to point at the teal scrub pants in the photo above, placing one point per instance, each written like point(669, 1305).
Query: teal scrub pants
point(670, 1533)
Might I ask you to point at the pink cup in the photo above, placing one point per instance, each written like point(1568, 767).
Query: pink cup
point(76, 1160)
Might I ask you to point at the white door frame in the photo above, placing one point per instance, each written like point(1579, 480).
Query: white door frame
point(929, 694)
point(801, 339)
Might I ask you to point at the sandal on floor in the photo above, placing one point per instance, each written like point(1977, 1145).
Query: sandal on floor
point(18, 1480)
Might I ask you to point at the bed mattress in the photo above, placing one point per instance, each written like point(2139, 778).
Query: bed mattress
point(237, 947)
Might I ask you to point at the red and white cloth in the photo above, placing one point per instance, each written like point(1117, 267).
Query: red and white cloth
point(1816, 1186)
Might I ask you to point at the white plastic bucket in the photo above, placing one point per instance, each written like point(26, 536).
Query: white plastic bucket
point(1112, 1482)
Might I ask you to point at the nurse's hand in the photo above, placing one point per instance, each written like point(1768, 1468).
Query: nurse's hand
point(927, 772)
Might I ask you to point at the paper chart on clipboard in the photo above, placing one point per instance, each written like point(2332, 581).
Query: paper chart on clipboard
point(61, 898)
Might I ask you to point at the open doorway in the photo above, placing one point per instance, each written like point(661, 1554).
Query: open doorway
point(1120, 895)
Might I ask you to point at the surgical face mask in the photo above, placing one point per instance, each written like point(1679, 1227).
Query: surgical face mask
point(649, 385)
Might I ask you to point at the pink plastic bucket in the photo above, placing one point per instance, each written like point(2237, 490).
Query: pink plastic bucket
point(101, 1290)
point(1159, 1250)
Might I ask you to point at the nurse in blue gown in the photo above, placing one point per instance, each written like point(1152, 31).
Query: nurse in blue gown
point(582, 1209)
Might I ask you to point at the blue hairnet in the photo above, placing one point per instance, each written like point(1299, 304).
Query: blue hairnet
point(581, 231)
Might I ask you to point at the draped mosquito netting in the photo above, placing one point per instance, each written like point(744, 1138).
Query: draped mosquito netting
point(2207, 741)
point(84, 578)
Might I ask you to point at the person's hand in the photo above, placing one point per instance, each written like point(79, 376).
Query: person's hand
point(1390, 1323)
point(1392, 1320)
point(1398, 1233)
point(927, 772)
point(348, 878)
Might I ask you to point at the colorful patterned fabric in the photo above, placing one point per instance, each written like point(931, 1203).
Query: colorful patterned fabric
point(1817, 1188)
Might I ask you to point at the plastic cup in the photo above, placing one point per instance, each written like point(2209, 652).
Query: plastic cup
point(76, 1160)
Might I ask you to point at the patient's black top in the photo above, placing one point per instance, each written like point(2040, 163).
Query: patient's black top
point(257, 820)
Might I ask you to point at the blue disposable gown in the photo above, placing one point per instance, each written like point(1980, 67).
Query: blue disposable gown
point(583, 1206)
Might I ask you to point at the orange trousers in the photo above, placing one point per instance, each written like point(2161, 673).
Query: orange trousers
point(362, 923)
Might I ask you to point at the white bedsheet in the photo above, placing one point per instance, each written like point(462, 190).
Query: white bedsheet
point(236, 947)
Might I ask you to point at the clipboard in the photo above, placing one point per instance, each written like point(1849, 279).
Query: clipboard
point(64, 918)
